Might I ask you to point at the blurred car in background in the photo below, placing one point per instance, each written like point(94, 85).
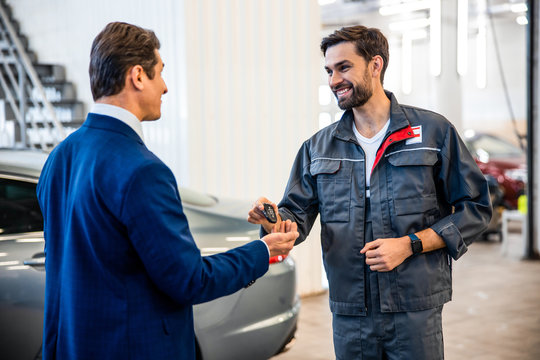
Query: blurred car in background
point(253, 323)
point(504, 165)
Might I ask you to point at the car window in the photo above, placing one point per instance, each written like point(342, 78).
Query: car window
point(19, 208)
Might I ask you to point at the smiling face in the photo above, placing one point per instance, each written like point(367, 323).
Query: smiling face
point(349, 75)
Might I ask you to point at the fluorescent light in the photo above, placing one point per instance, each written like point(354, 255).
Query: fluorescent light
point(469, 133)
point(30, 240)
point(9, 263)
point(481, 46)
point(237, 238)
point(522, 20)
point(518, 7)
point(435, 38)
point(401, 8)
point(462, 36)
point(213, 250)
point(409, 24)
point(406, 58)
point(18, 267)
point(326, 2)
point(406, 64)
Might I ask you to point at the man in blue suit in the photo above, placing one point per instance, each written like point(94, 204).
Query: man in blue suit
point(122, 268)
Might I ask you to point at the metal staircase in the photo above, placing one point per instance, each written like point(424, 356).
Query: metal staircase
point(38, 107)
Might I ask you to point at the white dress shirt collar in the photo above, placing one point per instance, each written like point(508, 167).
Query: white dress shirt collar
point(121, 114)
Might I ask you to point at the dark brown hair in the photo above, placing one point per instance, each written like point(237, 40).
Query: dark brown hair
point(369, 42)
point(117, 48)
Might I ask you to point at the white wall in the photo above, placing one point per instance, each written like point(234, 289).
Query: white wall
point(242, 78)
point(62, 31)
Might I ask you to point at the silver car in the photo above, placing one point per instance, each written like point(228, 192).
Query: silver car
point(253, 323)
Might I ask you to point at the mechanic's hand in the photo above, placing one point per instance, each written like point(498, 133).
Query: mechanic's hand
point(386, 254)
point(256, 216)
point(281, 241)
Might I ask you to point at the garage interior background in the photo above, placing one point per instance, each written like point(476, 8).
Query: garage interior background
point(247, 86)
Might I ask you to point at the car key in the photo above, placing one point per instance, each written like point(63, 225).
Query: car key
point(269, 213)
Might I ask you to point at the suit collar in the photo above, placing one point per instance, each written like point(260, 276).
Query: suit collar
point(110, 123)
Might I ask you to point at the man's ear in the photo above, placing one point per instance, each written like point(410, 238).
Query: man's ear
point(135, 76)
point(378, 63)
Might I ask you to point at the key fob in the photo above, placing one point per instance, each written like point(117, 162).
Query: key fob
point(269, 213)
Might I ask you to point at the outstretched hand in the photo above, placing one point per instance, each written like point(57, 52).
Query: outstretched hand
point(282, 238)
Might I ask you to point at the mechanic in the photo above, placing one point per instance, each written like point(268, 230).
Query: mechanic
point(399, 197)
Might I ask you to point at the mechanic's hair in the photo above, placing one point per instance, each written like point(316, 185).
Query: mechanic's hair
point(117, 48)
point(369, 42)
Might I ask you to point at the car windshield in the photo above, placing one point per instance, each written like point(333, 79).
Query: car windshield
point(19, 208)
point(496, 147)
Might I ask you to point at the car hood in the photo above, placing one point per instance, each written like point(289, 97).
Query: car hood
point(222, 226)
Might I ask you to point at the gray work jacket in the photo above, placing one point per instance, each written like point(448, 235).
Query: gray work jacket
point(423, 177)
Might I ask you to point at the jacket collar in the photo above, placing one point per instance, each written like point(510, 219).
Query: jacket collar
point(398, 120)
point(109, 123)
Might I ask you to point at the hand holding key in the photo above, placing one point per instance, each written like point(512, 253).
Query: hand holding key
point(265, 213)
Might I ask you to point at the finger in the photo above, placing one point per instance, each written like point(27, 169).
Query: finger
point(259, 203)
point(286, 225)
point(372, 261)
point(373, 253)
point(255, 218)
point(369, 246)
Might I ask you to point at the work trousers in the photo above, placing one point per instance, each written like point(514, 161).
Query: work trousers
point(414, 335)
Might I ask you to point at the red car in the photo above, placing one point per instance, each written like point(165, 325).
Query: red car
point(503, 161)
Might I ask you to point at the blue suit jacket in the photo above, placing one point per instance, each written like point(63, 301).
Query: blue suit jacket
point(122, 270)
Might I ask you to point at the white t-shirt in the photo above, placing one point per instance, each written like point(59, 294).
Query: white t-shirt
point(370, 147)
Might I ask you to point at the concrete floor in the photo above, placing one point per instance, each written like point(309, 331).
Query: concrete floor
point(494, 314)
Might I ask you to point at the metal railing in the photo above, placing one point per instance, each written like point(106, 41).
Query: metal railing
point(19, 81)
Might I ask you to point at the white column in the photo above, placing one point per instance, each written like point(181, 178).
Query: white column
point(448, 83)
point(533, 201)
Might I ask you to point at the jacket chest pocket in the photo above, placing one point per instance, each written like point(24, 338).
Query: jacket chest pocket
point(333, 189)
point(412, 173)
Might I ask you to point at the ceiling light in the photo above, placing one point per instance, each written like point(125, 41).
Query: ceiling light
point(518, 8)
point(409, 24)
point(401, 8)
point(522, 20)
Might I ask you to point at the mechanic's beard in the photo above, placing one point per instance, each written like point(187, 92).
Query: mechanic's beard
point(360, 96)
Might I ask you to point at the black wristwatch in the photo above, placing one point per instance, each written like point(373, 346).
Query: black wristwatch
point(416, 244)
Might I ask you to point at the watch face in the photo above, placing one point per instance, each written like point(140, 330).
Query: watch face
point(416, 244)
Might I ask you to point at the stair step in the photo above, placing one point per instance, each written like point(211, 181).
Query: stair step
point(8, 58)
point(51, 73)
point(66, 124)
point(65, 111)
point(5, 45)
point(55, 92)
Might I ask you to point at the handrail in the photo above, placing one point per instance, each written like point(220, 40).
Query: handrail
point(31, 72)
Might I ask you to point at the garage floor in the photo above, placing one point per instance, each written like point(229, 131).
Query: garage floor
point(494, 314)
